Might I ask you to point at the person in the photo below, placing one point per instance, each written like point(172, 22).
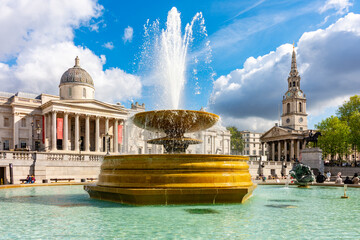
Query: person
point(355, 179)
point(338, 179)
point(320, 178)
point(28, 179)
point(328, 175)
point(347, 180)
point(32, 179)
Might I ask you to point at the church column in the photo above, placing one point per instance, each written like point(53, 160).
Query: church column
point(304, 144)
point(77, 135)
point(66, 131)
point(116, 122)
point(285, 149)
point(87, 133)
point(97, 133)
point(297, 149)
point(279, 151)
point(292, 150)
point(53, 132)
point(273, 151)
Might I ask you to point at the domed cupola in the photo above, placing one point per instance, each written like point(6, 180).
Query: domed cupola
point(76, 83)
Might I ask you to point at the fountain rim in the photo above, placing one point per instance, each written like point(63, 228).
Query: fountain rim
point(177, 110)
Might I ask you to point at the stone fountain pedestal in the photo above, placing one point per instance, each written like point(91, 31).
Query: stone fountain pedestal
point(173, 179)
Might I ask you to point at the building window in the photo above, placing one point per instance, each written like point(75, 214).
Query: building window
point(247, 145)
point(209, 139)
point(22, 144)
point(293, 84)
point(254, 152)
point(300, 107)
point(84, 92)
point(70, 91)
point(149, 150)
point(6, 145)
point(247, 152)
point(6, 122)
point(254, 145)
point(288, 108)
point(139, 150)
point(23, 122)
point(301, 128)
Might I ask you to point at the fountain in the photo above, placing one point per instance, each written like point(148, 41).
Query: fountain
point(303, 175)
point(174, 177)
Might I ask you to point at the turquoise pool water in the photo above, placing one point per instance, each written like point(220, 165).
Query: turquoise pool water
point(274, 212)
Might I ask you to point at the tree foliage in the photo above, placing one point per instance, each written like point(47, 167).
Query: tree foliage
point(237, 143)
point(348, 108)
point(335, 137)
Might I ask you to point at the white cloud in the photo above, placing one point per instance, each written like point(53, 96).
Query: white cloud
point(128, 34)
point(39, 40)
point(341, 6)
point(328, 63)
point(108, 45)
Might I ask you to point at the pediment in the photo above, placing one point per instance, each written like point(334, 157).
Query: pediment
point(90, 105)
point(276, 132)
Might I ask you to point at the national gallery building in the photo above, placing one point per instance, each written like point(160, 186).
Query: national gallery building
point(66, 136)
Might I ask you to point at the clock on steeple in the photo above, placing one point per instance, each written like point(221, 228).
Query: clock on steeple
point(294, 113)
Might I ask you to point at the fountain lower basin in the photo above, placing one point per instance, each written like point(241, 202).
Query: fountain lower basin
point(153, 179)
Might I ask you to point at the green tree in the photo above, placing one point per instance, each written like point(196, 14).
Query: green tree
point(348, 108)
point(335, 137)
point(354, 124)
point(237, 143)
point(349, 112)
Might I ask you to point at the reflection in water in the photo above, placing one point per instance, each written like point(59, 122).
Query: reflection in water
point(201, 211)
point(283, 200)
point(280, 206)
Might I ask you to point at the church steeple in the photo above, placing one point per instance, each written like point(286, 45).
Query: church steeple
point(294, 77)
point(294, 101)
point(293, 71)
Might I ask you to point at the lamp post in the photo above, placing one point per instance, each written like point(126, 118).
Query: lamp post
point(80, 141)
point(38, 131)
point(32, 135)
point(107, 139)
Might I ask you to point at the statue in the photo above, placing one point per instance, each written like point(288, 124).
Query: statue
point(313, 138)
point(303, 174)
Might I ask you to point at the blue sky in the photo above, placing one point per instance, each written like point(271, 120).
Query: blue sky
point(251, 44)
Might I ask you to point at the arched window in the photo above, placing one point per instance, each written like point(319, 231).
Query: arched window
point(293, 84)
point(70, 91)
point(84, 92)
point(289, 84)
point(288, 108)
point(300, 107)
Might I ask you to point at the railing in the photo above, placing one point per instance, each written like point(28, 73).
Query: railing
point(44, 156)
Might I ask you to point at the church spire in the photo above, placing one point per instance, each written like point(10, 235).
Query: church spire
point(293, 71)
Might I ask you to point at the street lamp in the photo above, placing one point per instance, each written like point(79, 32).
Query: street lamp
point(107, 139)
point(38, 131)
point(80, 141)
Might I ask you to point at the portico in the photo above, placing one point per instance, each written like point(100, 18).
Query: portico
point(79, 129)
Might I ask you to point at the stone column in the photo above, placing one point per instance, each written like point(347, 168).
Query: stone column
point(87, 133)
point(116, 122)
point(107, 139)
point(48, 128)
point(46, 123)
point(66, 131)
point(292, 149)
point(77, 135)
point(285, 149)
point(97, 133)
point(304, 144)
point(53, 132)
point(273, 151)
point(15, 130)
point(297, 149)
point(279, 151)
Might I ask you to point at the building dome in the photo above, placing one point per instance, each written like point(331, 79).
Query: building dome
point(76, 75)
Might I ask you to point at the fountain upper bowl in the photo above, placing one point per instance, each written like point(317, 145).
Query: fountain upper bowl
point(185, 121)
